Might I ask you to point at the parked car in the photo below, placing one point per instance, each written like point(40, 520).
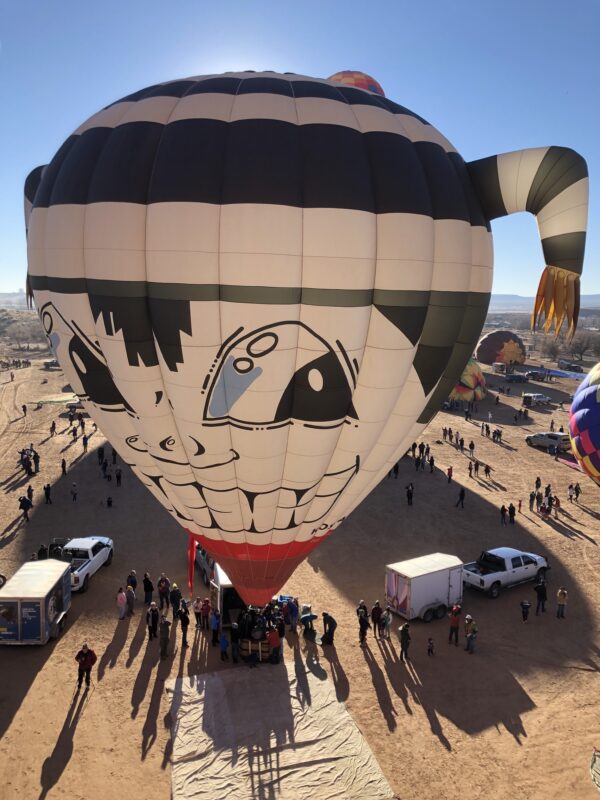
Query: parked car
point(535, 375)
point(517, 377)
point(86, 556)
point(550, 440)
point(503, 567)
point(535, 399)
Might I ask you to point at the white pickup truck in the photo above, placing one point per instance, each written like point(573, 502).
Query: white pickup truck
point(503, 567)
point(86, 556)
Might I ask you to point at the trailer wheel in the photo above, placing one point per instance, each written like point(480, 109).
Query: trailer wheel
point(494, 590)
point(428, 615)
point(440, 612)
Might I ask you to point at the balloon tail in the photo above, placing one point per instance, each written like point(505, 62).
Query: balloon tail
point(557, 299)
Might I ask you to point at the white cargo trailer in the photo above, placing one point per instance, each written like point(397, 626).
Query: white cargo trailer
point(424, 587)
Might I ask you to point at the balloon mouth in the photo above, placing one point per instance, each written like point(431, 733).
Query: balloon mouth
point(315, 501)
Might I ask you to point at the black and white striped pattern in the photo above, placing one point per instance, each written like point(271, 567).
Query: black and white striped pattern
point(210, 255)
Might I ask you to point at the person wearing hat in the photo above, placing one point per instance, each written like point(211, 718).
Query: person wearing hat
point(404, 641)
point(362, 605)
point(175, 598)
point(152, 621)
point(86, 658)
point(471, 633)
point(386, 621)
point(235, 642)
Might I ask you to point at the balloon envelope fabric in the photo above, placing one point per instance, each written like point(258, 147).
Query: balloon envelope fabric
point(504, 347)
point(471, 385)
point(262, 286)
point(584, 424)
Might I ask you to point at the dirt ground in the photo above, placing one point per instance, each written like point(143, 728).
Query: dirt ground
point(519, 717)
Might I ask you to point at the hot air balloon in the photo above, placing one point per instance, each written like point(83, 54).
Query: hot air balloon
point(262, 286)
point(503, 347)
point(584, 424)
point(471, 385)
point(361, 80)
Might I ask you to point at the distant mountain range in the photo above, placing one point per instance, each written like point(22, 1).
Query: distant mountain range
point(500, 303)
point(516, 303)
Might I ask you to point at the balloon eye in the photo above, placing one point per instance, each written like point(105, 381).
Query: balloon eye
point(243, 365)
point(262, 345)
point(168, 444)
point(315, 380)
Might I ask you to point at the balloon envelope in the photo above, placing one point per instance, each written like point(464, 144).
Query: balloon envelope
point(471, 385)
point(505, 347)
point(262, 286)
point(584, 424)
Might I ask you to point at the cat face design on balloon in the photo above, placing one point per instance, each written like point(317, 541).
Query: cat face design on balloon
point(256, 412)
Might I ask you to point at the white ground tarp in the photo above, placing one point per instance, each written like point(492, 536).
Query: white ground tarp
point(268, 734)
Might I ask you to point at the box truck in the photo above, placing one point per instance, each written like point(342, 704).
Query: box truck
point(424, 587)
point(34, 602)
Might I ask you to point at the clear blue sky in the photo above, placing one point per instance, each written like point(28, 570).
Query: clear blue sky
point(491, 76)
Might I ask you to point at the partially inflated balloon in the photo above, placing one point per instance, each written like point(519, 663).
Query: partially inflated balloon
point(471, 385)
point(584, 424)
point(504, 347)
point(263, 286)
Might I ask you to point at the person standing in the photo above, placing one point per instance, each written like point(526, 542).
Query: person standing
point(531, 500)
point(36, 461)
point(152, 616)
point(538, 483)
point(74, 492)
point(215, 625)
point(164, 589)
point(404, 641)
point(100, 453)
point(542, 596)
point(148, 590)
point(362, 606)
point(235, 642)
point(85, 658)
point(363, 626)
point(205, 614)
point(454, 624)
point(121, 602)
point(63, 466)
point(472, 447)
point(471, 632)
point(274, 641)
point(431, 464)
point(30, 493)
point(224, 645)
point(24, 506)
point(525, 606)
point(476, 468)
point(118, 475)
point(409, 493)
point(47, 490)
point(461, 498)
point(197, 609)
point(376, 613)
point(184, 619)
point(386, 621)
point(175, 598)
point(470, 469)
point(512, 513)
point(163, 635)
point(131, 580)
point(503, 514)
point(449, 473)
point(578, 490)
point(561, 602)
point(571, 492)
point(329, 626)
point(130, 600)
point(84, 442)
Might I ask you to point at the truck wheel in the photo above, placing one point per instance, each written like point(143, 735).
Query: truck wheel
point(440, 612)
point(528, 440)
point(541, 574)
point(494, 590)
point(85, 584)
point(2, 581)
point(108, 561)
point(428, 615)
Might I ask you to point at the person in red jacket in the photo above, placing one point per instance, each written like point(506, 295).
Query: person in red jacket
point(86, 658)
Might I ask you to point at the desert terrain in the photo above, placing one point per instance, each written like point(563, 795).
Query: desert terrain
point(518, 718)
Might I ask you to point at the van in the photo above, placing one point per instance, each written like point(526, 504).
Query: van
point(534, 399)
